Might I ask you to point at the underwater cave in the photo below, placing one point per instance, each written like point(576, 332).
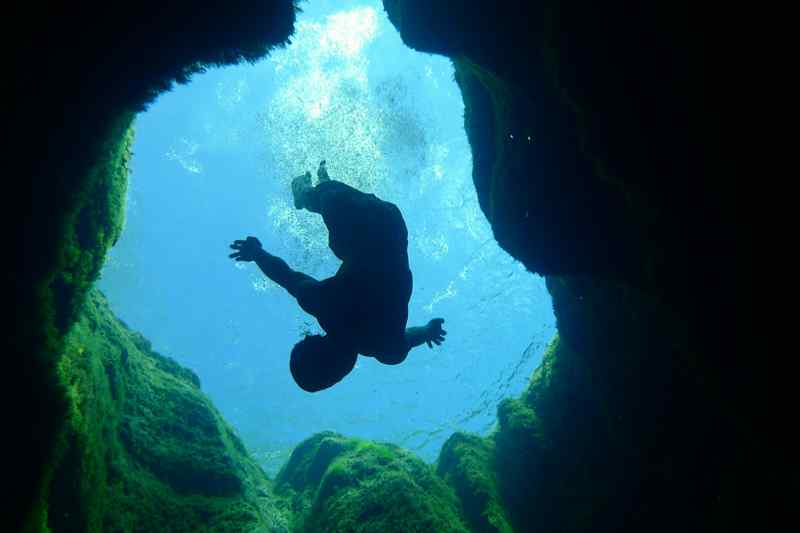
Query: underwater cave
point(146, 380)
point(213, 162)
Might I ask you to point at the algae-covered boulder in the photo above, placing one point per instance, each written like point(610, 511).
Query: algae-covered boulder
point(145, 450)
point(552, 459)
point(334, 483)
point(466, 462)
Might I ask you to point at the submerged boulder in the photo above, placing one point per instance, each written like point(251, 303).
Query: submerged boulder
point(334, 483)
point(144, 449)
point(465, 463)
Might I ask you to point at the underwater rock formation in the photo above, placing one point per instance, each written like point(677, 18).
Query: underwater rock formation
point(73, 87)
point(334, 483)
point(590, 127)
point(543, 453)
point(591, 132)
point(465, 463)
point(144, 448)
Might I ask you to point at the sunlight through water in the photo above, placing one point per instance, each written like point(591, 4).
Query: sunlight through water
point(213, 163)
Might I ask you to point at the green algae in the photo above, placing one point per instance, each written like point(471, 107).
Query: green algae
point(534, 473)
point(144, 449)
point(540, 455)
point(465, 463)
point(69, 110)
point(335, 483)
point(93, 223)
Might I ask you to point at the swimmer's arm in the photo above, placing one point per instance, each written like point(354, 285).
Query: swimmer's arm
point(416, 336)
point(432, 332)
point(273, 267)
point(250, 249)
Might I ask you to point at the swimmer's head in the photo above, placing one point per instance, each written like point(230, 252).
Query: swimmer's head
point(318, 362)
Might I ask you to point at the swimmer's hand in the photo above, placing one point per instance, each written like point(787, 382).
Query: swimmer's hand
point(246, 250)
point(435, 333)
point(431, 333)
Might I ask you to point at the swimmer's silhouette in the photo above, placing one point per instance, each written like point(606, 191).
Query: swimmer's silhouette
point(364, 307)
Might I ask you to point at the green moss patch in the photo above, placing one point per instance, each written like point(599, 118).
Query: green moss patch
point(68, 111)
point(465, 463)
point(334, 483)
point(145, 450)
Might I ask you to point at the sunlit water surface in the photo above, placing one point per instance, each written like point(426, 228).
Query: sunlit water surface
point(213, 161)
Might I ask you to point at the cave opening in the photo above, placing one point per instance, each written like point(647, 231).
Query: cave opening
point(213, 160)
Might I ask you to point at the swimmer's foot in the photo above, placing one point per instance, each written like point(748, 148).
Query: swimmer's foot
point(322, 172)
point(301, 186)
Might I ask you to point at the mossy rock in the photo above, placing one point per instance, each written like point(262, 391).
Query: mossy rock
point(67, 114)
point(466, 464)
point(145, 450)
point(334, 483)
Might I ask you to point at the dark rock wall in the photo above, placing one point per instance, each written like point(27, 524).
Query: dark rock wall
point(595, 160)
point(610, 98)
point(76, 73)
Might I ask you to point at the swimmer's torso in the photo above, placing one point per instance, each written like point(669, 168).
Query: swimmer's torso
point(367, 300)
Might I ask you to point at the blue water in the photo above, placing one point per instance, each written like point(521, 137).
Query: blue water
point(212, 163)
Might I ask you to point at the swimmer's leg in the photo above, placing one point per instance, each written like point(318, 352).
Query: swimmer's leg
point(326, 198)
